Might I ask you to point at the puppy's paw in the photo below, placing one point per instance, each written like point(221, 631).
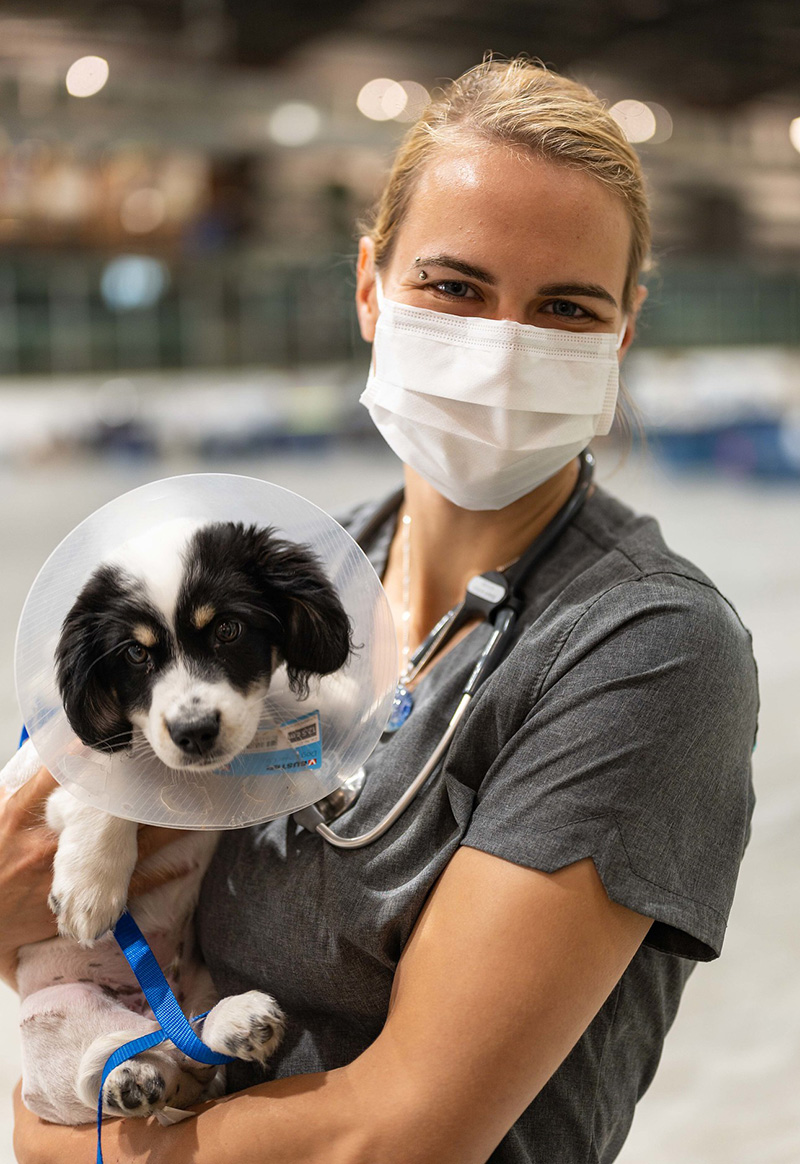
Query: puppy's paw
point(92, 869)
point(135, 1088)
point(248, 1026)
point(86, 913)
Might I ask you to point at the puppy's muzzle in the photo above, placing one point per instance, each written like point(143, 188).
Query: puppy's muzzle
point(195, 736)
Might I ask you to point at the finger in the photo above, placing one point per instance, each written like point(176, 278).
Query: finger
point(29, 800)
point(142, 883)
point(153, 838)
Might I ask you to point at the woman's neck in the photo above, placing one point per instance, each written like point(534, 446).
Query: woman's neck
point(449, 545)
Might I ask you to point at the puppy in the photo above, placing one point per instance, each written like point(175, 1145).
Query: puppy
point(170, 647)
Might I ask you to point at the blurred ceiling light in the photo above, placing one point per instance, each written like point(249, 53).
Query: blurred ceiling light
point(132, 281)
point(382, 99)
point(417, 97)
point(142, 211)
point(636, 120)
point(663, 131)
point(87, 76)
point(794, 133)
point(295, 123)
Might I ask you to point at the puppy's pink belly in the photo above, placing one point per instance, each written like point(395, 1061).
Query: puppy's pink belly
point(61, 962)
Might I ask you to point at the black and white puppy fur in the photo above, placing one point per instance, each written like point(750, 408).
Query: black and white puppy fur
point(171, 645)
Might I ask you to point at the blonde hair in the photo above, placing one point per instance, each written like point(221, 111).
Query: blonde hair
point(521, 103)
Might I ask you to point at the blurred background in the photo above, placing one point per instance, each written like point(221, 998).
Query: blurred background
point(179, 186)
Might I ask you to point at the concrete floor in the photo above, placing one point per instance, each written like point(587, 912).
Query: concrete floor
point(728, 1089)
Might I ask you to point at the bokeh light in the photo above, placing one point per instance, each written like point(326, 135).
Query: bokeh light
point(382, 99)
point(133, 281)
point(417, 97)
point(663, 130)
point(143, 210)
point(117, 401)
point(794, 133)
point(87, 76)
point(636, 120)
point(294, 123)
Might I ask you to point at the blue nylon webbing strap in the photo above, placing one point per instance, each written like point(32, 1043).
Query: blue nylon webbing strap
point(126, 1051)
point(173, 1022)
point(163, 1002)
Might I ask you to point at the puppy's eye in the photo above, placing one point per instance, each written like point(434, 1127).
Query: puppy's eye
point(136, 654)
point(227, 630)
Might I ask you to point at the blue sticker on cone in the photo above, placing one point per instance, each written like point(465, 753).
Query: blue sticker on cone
point(285, 748)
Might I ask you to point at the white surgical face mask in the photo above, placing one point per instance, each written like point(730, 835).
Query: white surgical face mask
point(487, 409)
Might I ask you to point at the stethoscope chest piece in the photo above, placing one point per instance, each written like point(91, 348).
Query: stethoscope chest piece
point(333, 805)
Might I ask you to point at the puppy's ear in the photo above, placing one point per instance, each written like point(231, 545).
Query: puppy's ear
point(84, 684)
point(316, 628)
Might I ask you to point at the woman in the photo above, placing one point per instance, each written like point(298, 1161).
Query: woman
point(493, 978)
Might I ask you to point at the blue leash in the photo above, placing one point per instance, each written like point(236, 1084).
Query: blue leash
point(173, 1024)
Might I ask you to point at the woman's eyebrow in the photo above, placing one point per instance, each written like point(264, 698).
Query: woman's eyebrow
point(455, 265)
point(589, 290)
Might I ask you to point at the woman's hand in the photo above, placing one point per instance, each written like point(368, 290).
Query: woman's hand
point(37, 1142)
point(28, 847)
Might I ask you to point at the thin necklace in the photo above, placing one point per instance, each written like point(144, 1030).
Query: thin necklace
point(403, 701)
point(406, 618)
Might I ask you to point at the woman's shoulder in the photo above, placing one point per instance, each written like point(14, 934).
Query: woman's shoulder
point(631, 544)
point(617, 568)
point(617, 611)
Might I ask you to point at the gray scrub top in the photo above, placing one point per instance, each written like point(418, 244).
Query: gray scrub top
point(619, 726)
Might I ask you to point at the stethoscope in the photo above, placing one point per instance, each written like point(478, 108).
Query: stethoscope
point(494, 596)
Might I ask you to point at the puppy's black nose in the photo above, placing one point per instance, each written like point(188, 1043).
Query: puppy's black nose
point(196, 737)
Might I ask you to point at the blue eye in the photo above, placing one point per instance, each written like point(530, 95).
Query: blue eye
point(568, 303)
point(450, 283)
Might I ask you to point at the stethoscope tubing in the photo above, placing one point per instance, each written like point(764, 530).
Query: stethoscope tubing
point(402, 804)
point(503, 620)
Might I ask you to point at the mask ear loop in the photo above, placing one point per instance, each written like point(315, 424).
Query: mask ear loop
point(381, 300)
point(379, 291)
point(622, 333)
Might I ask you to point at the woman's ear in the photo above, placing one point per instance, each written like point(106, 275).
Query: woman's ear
point(630, 330)
point(90, 703)
point(366, 301)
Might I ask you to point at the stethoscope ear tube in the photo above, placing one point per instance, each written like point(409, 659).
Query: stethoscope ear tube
point(503, 608)
point(492, 653)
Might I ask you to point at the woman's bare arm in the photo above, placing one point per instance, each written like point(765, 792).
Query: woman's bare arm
point(505, 969)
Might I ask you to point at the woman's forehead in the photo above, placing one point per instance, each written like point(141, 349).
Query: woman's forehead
point(509, 208)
